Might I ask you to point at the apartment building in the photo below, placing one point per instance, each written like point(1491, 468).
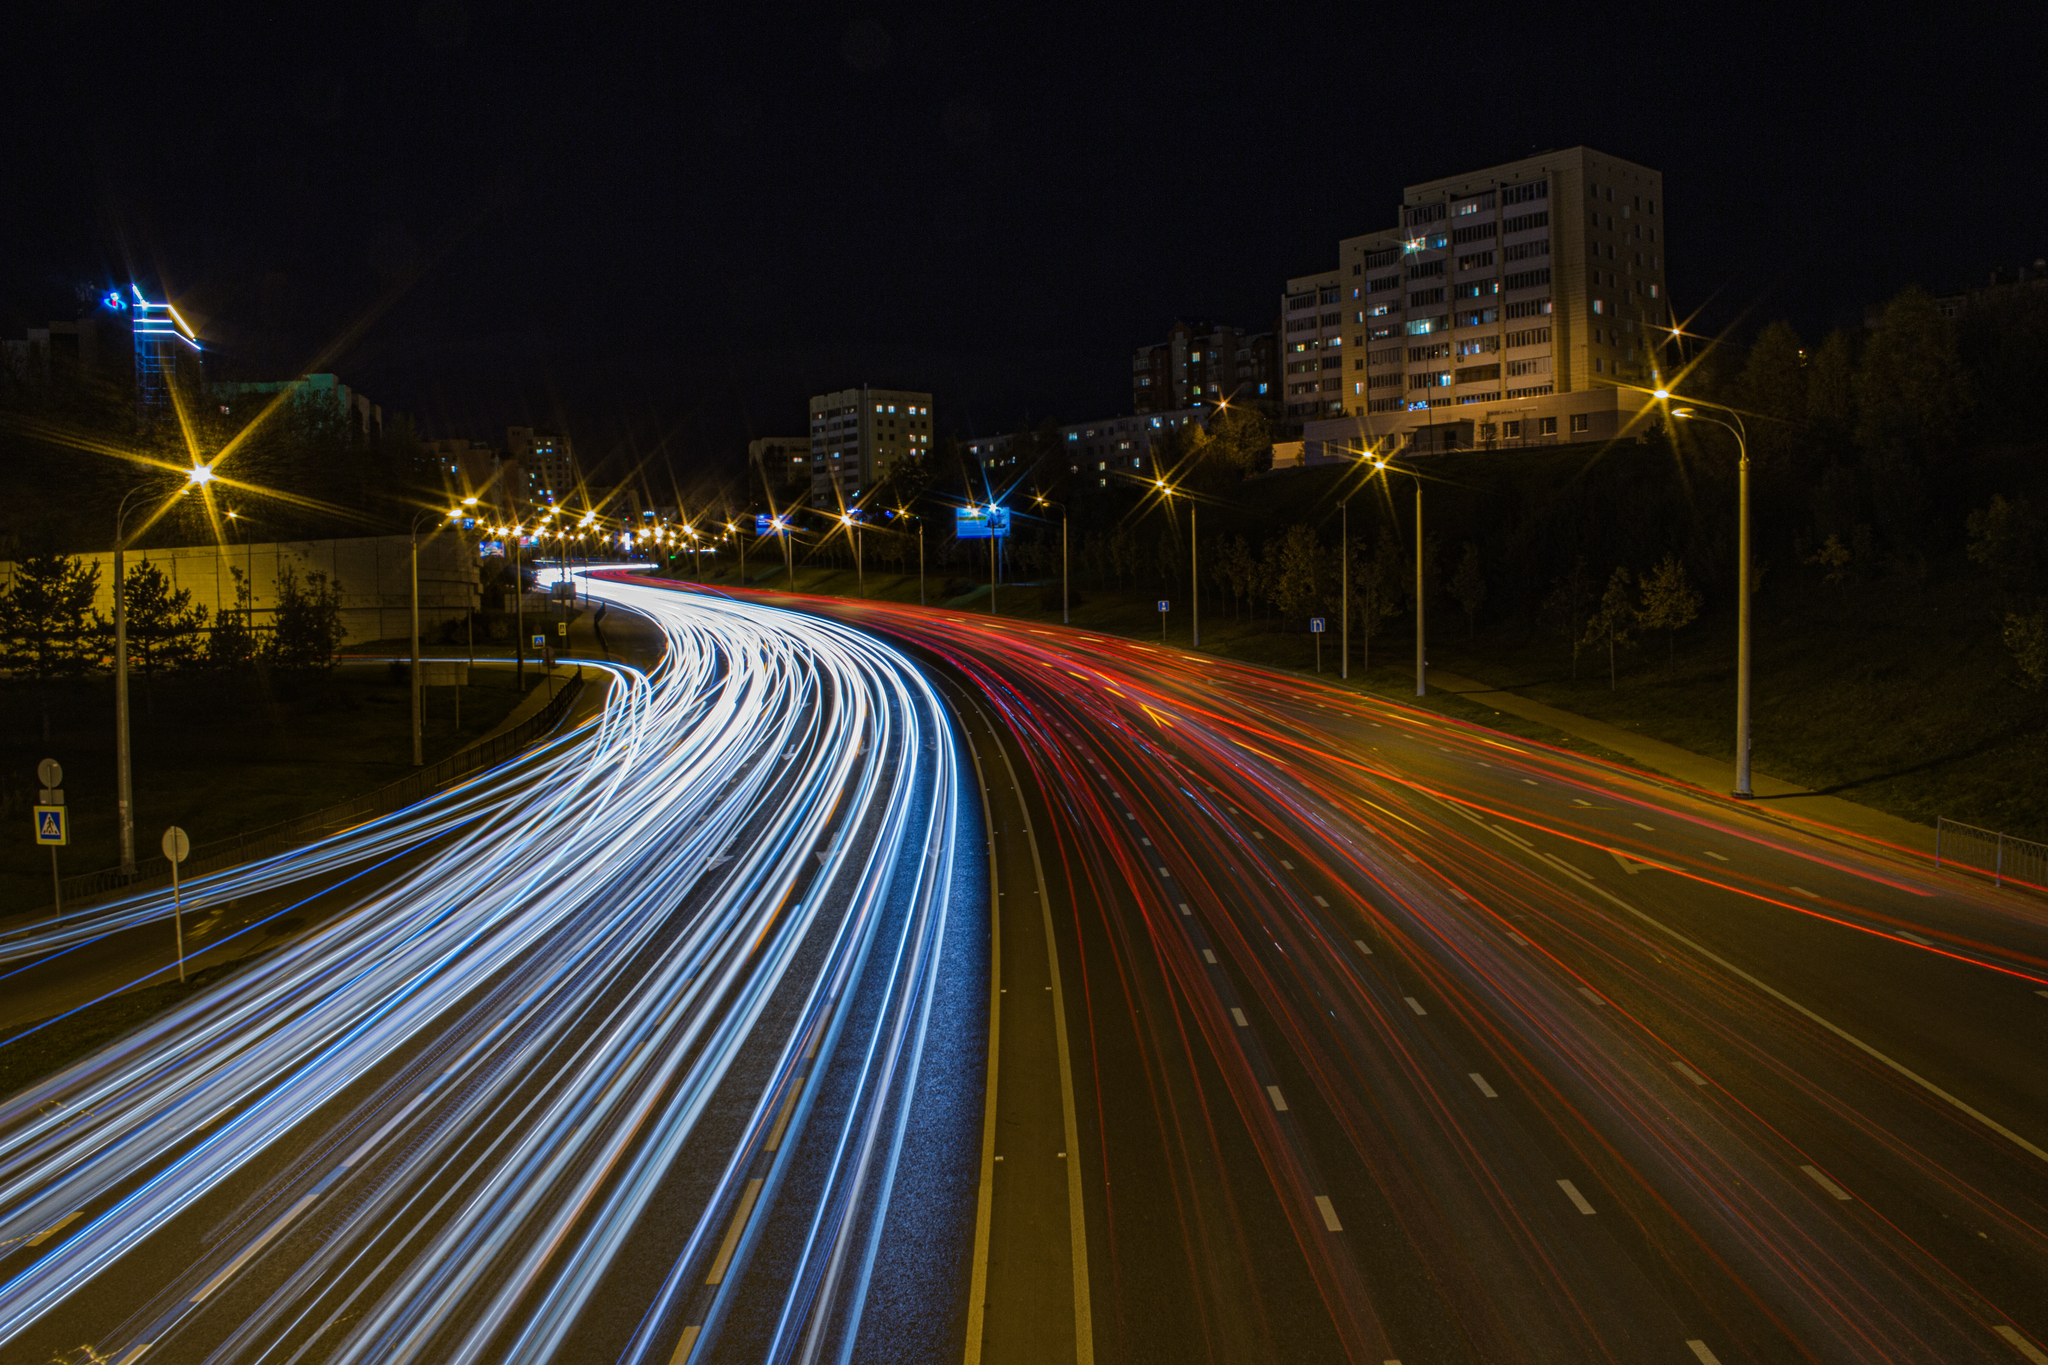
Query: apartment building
point(544, 456)
point(1514, 305)
point(1203, 362)
point(1119, 449)
point(781, 461)
point(859, 435)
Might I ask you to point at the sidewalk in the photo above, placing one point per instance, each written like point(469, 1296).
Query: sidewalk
point(1715, 775)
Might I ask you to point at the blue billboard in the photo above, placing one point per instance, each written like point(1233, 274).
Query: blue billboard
point(981, 523)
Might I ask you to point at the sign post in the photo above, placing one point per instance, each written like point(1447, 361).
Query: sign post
point(53, 825)
point(1164, 607)
point(176, 847)
point(1315, 628)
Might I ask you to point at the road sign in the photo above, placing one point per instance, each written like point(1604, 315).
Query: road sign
point(539, 640)
point(51, 826)
point(51, 772)
point(765, 525)
point(562, 628)
point(1165, 605)
point(981, 523)
point(176, 846)
point(1315, 623)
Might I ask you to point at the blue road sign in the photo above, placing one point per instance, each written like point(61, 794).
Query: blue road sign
point(981, 523)
point(1315, 623)
point(765, 525)
point(51, 827)
point(1165, 605)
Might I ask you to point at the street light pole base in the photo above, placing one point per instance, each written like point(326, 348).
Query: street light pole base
point(1743, 796)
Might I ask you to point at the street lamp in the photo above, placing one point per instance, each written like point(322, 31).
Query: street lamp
point(1421, 667)
point(1194, 563)
point(1042, 502)
point(852, 523)
point(1742, 589)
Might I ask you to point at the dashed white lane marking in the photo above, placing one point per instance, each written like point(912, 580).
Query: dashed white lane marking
point(1184, 908)
point(1415, 1004)
point(2043, 994)
point(1256, 834)
point(1289, 866)
point(689, 1339)
point(1146, 842)
point(1640, 825)
point(1279, 1100)
point(2022, 1345)
point(1329, 1212)
point(1238, 1015)
point(1830, 1186)
point(1484, 1088)
point(1509, 835)
point(1517, 938)
point(1320, 901)
point(1208, 956)
point(1914, 938)
point(1531, 781)
point(1804, 892)
point(1591, 996)
point(1689, 1073)
point(1571, 1192)
point(1707, 1357)
point(1164, 873)
point(249, 1251)
point(1587, 804)
point(1368, 952)
point(733, 1231)
point(1717, 857)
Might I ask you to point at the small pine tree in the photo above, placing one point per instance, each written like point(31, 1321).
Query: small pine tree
point(163, 626)
point(307, 625)
point(47, 628)
point(232, 647)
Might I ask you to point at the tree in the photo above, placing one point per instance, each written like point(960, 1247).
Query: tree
point(1613, 622)
point(163, 626)
point(233, 647)
point(306, 628)
point(1294, 583)
point(2027, 638)
point(1911, 390)
point(1375, 588)
point(47, 627)
point(1468, 588)
point(1670, 603)
point(1830, 406)
point(2005, 538)
point(1833, 559)
point(1773, 386)
point(1568, 605)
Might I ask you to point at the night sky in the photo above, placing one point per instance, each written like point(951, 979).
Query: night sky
point(665, 230)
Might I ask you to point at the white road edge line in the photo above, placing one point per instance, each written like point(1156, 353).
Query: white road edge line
point(1571, 1192)
point(2022, 1345)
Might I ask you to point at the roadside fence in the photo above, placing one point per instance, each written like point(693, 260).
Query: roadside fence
point(2005, 859)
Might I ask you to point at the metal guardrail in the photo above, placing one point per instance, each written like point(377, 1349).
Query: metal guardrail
point(288, 834)
point(2007, 859)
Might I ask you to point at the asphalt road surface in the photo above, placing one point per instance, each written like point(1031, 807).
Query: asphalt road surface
point(662, 1043)
point(1394, 1038)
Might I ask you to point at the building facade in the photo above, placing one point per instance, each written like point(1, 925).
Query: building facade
point(1520, 304)
point(1118, 449)
point(859, 435)
point(545, 459)
point(781, 462)
point(1200, 362)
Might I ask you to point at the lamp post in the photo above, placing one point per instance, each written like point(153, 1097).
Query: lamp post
point(124, 785)
point(518, 617)
point(852, 525)
point(1742, 651)
point(1421, 667)
point(1344, 589)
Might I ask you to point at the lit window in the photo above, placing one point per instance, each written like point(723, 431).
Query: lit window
point(1599, 305)
point(1262, 388)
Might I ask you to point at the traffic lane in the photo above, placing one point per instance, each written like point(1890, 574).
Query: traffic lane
point(1438, 1190)
point(1199, 1255)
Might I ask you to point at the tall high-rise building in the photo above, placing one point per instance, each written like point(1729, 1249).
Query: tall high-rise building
point(859, 435)
point(1525, 299)
point(1201, 362)
point(164, 343)
point(545, 458)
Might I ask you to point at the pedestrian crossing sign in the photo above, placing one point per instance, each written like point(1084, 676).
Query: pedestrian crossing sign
point(50, 826)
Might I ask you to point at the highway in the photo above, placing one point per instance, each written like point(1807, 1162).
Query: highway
point(1396, 1039)
point(661, 1043)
